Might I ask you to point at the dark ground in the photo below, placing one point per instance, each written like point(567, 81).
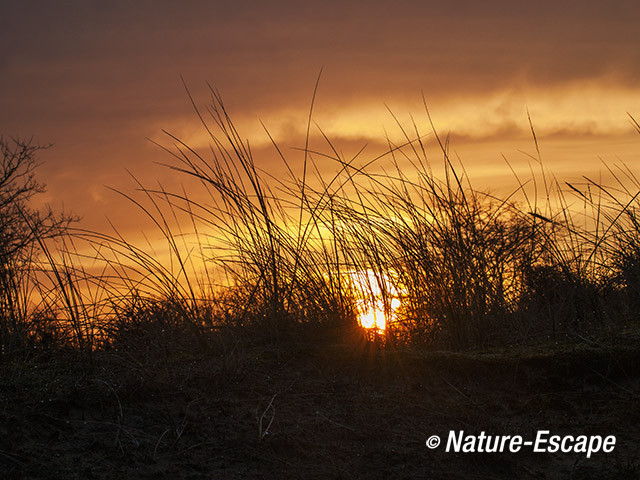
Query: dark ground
point(322, 410)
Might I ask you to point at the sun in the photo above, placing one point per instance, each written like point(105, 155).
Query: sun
point(376, 310)
point(373, 318)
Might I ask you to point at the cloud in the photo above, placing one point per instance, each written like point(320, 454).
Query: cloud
point(96, 78)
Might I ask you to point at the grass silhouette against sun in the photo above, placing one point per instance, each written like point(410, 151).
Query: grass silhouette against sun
point(383, 242)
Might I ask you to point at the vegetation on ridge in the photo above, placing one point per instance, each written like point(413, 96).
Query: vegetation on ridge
point(467, 268)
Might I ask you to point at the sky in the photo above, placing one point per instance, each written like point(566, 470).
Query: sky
point(99, 79)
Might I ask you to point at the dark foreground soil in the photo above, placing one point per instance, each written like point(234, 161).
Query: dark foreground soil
point(316, 410)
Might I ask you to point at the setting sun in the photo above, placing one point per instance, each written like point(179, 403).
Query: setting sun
point(378, 300)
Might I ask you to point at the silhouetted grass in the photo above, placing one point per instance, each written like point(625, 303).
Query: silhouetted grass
point(250, 251)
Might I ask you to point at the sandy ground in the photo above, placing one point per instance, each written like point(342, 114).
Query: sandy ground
point(323, 410)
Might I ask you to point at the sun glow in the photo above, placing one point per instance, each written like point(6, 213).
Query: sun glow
point(378, 300)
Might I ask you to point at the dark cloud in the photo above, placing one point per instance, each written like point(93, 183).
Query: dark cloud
point(96, 78)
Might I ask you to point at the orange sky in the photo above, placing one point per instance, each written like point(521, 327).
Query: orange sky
point(97, 78)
